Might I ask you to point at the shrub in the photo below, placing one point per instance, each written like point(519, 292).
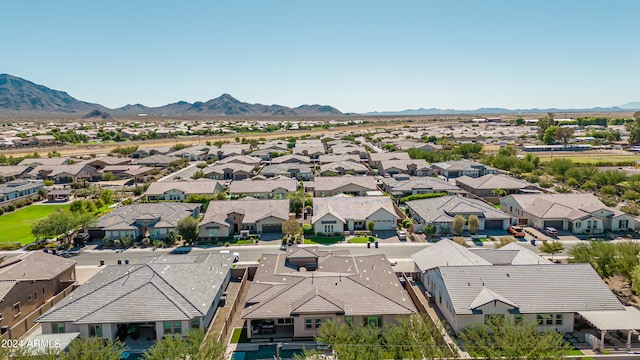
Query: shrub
point(460, 240)
point(227, 244)
point(421, 196)
point(48, 183)
point(10, 246)
point(146, 241)
point(11, 207)
point(107, 242)
point(307, 229)
point(117, 243)
point(545, 184)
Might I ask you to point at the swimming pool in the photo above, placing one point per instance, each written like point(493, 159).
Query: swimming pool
point(264, 352)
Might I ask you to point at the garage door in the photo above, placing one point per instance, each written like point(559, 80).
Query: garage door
point(272, 228)
point(553, 223)
point(493, 224)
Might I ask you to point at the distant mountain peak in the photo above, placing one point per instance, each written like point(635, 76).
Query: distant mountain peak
point(17, 94)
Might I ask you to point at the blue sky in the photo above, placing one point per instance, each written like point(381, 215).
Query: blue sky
point(358, 56)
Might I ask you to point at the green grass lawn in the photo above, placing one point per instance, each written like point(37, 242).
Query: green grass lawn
point(16, 226)
point(323, 240)
point(576, 352)
point(359, 240)
point(239, 336)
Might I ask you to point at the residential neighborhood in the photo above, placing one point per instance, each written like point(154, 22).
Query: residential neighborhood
point(267, 240)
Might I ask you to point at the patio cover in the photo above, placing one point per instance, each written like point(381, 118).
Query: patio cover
point(627, 319)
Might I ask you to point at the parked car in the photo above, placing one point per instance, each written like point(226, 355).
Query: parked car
point(236, 255)
point(551, 231)
point(516, 231)
point(402, 235)
point(181, 250)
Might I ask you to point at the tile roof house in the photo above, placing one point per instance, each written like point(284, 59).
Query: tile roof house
point(344, 167)
point(291, 159)
point(153, 220)
point(471, 285)
point(29, 280)
point(44, 161)
point(229, 171)
point(180, 190)
point(171, 295)
point(331, 158)
point(577, 213)
point(548, 294)
point(347, 184)
point(101, 162)
point(312, 150)
point(350, 213)
point(19, 188)
point(457, 168)
point(293, 294)
point(14, 172)
point(157, 160)
point(375, 158)
point(193, 153)
point(486, 185)
point(225, 218)
point(439, 212)
point(413, 167)
point(138, 172)
point(241, 159)
point(65, 173)
point(263, 189)
point(402, 185)
point(297, 171)
point(349, 149)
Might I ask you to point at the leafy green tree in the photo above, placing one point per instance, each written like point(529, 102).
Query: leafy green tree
point(552, 247)
point(458, 224)
point(59, 222)
point(188, 228)
point(558, 166)
point(564, 134)
point(635, 278)
point(499, 192)
point(108, 176)
point(194, 347)
point(198, 175)
point(600, 254)
point(549, 136)
point(634, 129)
point(91, 348)
point(474, 224)
point(609, 177)
point(291, 227)
point(297, 200)
point(501, 338)
point(106, 196)
point(544, 124)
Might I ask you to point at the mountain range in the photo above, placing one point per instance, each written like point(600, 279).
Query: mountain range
point(631, 106)
point(20, 95)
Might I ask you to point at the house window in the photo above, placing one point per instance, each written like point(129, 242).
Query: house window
point(177, 327)
point(517, 318)
point(57, 328)
point(578, 225)
point(328, 229)
point(167, 327)
point(35, 295)
point(318, 322)
point(29, 298)
point(595, 224)
point(559, 319)
point(549, 319)
point(43, 290)
point(308, 323)
point(348, 320)
point(540, 319)
point(285, 321)
point(195, 323)
point(373, 321)
point(16, 308)
point(95, 330)
point(623, 224)
point(589, 224)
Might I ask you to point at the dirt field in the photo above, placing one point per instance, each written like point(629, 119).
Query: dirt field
point(589, 157)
